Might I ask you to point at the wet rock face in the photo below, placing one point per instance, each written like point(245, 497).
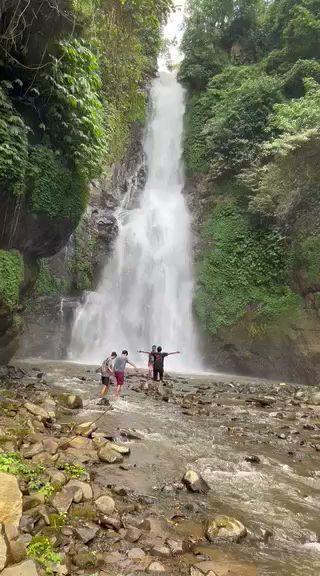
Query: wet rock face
point(77, 260)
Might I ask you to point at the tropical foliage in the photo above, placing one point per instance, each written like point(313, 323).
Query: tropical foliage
point(252, 134)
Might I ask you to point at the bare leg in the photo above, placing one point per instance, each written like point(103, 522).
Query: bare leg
point(104, 390)
point(118, 390)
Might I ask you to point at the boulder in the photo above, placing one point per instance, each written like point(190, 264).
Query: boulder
point(133, 534)
point(136, 554)
point(63, 500)
point(79, 443)
point(71, 401)
point(161, 551)
point(56, 476)
point(33, 450)
point(105, 505)
point(32, 501)
point(87, 531)
point(86, 489)
point(225, 529)
point(111, 522)
point(50, 445)
point(86, 428)
point(156, 567)
point(17, 551)
point(125, 450)
point(37, 411)
point(3, 549)
point(109, 455)
point(26, 568)
point(194, 482)
point(10, 500)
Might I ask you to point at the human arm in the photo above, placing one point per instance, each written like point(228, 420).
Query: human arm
point(132, 364)
point(171, 353)
point(143, 352)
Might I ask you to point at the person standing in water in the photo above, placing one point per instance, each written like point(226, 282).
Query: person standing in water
point(107, 375)
point(158, 366)
point(119, 368)
point(150, 359)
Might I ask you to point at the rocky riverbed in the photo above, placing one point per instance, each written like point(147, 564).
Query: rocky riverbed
point(212, 475)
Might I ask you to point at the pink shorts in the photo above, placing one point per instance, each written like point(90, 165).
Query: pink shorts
point(119, 378)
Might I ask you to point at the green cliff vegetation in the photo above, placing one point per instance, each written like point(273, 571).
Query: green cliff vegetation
point(70, 93)
point(252, 72)
point(11, 277)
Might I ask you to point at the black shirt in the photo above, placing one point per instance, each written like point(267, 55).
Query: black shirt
point(159, 359)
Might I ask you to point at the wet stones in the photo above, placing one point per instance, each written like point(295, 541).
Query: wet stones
point(108, 455)
point(224, 529)
point(105, 505)
point(252, 459)
point(194, 482)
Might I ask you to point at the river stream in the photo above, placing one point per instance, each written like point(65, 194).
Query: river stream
point(278, 499)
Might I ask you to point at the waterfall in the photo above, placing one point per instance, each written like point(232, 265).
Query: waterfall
point(145, 295)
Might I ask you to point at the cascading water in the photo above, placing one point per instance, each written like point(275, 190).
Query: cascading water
point(145, 296)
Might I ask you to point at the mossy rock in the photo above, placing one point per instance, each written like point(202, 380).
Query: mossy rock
point(225, 529)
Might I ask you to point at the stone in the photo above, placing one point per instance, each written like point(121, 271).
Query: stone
point(194, 482)
point(26, 568)
point(86, 489)
point(161, 551)
point(57, 476)
point(125, 450)
point(37, 411)
point(32, 501)
point(176, 546)
point(63, 500)
point(3, 550)
point(136, 554)
point(156, 567)
point(133, 534)
point(72, 401)
point(111, 522)
point(77, 494)
point(315, 399)
point(253, 459)
point(86, 428)
point(79, 443)
point(17, 551)
point(225, 529)
point(10, 500)
point(33, 450)
point(87, 531)
point(195, 571)
point(108, 455)
point(50, 445)
point(105, 505)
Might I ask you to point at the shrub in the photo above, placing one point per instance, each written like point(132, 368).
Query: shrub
point(11, 277)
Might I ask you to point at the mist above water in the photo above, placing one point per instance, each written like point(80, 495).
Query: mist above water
point(145, 295)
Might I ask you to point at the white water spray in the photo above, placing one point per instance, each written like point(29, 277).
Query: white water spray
point(145, 296)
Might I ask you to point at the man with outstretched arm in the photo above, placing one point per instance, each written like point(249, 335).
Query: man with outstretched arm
point(119, 368)
point(158, 366)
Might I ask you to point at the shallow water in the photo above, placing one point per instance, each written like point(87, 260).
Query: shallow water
point(281, 494)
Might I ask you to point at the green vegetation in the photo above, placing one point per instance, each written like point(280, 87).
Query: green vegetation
point(73, 470)
point(41, 550)
point(73, 82)
point(252, 135)
point(243, 272)
point(47, 284)
point(11, 277)
point(12, 463)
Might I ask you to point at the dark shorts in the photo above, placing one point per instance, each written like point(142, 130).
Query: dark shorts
point(119, 378)
point(105, 380)
point(158, 372)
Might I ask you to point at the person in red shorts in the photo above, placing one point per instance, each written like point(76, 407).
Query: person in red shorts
point(119, 368)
